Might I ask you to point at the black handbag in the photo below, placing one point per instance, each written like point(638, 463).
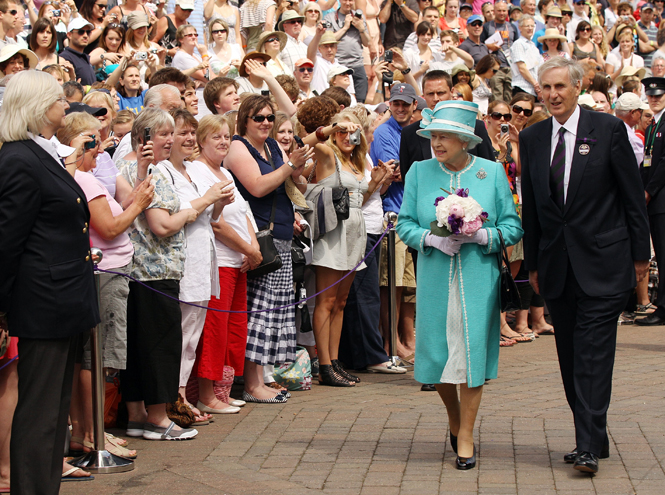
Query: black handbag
point(510, 296)
point(340, 196)
point(272, 261)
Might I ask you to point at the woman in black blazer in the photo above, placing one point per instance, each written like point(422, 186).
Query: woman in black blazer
point(47, 290)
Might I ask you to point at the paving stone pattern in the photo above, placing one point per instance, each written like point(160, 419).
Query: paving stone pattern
point(385, 437)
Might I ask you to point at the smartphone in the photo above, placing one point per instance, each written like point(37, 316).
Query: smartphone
point(354, 138)
point(388, 57)
point(298, 141)
point(504, 129)
point(146, 135)
point(265, 92)
point(91, 144)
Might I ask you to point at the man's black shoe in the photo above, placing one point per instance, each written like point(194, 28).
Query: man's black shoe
point(586, 462)
point(650, 321)
point(604, 454)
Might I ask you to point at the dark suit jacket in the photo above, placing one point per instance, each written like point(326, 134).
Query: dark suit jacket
point(414, 148)
point(653, 177)
point(603, 227)
point(47, 285)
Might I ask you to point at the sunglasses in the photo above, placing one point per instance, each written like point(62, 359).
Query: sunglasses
point(506, 116)
point(12, 12)
point(569, 14)
point(305, 69)
point(114, 25)
point(518, 110)
point(81, 32)
point(219, 31)
point(270, 40)
point(295, 21)
point(102, 5)
point(585, 29)
point(494, 71)
point(476, 23)
point(310, 11)
point(188, 35)
point(260, 118)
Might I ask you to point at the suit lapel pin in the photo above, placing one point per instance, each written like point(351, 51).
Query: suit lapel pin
point(481, 174)
point(584, 149)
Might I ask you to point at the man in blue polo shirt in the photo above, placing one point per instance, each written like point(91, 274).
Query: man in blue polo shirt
point(78, 33)
point(385, 147)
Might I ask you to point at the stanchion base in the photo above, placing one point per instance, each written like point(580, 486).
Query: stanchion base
point(398, 361)
point(102, 462)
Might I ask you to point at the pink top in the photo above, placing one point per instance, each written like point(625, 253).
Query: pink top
point(119, 251)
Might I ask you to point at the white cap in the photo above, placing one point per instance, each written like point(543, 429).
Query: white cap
point(185, 4)
point(78, 23)
point(630, 101)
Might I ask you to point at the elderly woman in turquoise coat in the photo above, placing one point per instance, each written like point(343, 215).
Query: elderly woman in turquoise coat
point(457, 329)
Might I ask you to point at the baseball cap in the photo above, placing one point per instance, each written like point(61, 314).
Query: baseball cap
point(185, 4)
point(338, 70)
point(422, 104)
point(630, 101)
point(474, 18)
point(648, 6)
point(466, 6)
point(82, 107)
point(78, 23)
point(328, 38)
point(303, 61)
point(403, 92)
point(553, 11)
point(514, 8)
point(654, 86)
point(137, 20)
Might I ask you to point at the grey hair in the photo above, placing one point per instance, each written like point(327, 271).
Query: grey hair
point(522, 2)
point(526, 17)
point(153, 118)
point(621, 113)
point(154, 96)
point(28, 96)
point(575, 70)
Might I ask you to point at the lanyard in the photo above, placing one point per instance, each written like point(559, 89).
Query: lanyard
point(651, 137)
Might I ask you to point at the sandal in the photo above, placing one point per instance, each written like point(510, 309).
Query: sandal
point(120, 442)
point(645, 309)
point(337, 366)
point(506, 342)
point(120, 451)
point(328, 376)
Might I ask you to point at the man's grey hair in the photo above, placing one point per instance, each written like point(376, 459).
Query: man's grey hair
point(155, 95)
point(575, 70)
point(153, 118)
point(526, 17)
point(620, 114)
point(522, 2)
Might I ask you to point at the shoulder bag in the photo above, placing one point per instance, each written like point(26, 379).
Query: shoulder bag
point(340, 194)
point(271, 258)
point(510, 296)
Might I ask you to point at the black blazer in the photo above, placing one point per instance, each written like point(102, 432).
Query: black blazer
point(603, 227)
point(47, 285)
point(414, 148)
point(653, 177)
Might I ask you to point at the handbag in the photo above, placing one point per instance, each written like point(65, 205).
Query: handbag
point(296, 375)
point(510, 296)
point(340, 196)
point(180, 413)
point(271, 259)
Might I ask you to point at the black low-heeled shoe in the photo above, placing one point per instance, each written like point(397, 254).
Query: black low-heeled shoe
point(464, 463)
point(453, 441)
point(337, 366)
point(328, 376)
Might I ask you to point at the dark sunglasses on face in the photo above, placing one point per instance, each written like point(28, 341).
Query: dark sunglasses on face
point(101, 5)
point(518, 109)
point(218, 31)
point(260, 118)
point(305, 69)
point(585, 29)
point(476, 23)
point(270, 40)
point(12, 12)
point(497, 116)
point(295, 21)
point(494, 71)
point(81, 32)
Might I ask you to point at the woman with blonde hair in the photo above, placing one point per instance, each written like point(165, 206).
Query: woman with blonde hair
point(312, 14)
point(149, 56)
point(626, 56)
point(339, 162)
point(450, 19)
point(110, 49)
point(598, 37)
point(225, 55)
point(229, 14)
point(282, 132)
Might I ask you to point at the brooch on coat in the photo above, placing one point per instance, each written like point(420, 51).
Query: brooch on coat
point(481, 174)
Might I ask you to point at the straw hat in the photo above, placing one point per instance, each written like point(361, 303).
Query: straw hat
point(294, 194)
point(289, 15)
point(551, 34)
point(629, 71)
point(263, 57)
point(587, 99)
point(452, 117)
point(270, 34)
point(328, 38)
point(8, 51)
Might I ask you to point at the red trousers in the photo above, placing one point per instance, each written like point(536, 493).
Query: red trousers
point(224, 335)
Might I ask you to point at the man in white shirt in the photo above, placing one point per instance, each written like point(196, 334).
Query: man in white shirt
point(291, 24)
point(431, 15)
point(322, 50)
point(525, 59)
point(303, 71)
point(579, 14)
point(629, 108)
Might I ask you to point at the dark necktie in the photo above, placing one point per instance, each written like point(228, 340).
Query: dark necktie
point(557, 170)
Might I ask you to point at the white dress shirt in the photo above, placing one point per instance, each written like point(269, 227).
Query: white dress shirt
point(636, 143)
point(569, 139)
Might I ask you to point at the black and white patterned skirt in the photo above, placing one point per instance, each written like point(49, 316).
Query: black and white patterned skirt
point(271, 335)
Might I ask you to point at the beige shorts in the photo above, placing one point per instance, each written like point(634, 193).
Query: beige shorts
point(404, 273)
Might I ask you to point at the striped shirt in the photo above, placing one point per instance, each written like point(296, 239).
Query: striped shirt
point(293, 51)
point(195, 18)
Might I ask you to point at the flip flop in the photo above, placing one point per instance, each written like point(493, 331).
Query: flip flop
point(66, 476)
point(506, 342)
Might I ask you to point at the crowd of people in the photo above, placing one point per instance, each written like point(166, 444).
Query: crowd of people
point(190, 140)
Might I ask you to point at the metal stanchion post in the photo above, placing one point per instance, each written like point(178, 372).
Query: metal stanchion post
point(392, 288)
point(100, 460)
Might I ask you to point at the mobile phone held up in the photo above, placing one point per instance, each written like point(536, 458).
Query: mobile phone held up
point(146, 135)
point(89, 145)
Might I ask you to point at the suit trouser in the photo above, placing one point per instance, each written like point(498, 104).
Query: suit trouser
point(39, 427)
point(657, 226)
point(586, 329)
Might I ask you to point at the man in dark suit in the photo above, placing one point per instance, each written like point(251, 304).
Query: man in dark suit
point(653, 178)
point(586, 242)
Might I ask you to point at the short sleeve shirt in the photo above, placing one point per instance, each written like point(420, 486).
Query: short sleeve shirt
point(398, 27)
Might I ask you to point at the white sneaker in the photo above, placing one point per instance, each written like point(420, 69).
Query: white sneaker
point(154, 432)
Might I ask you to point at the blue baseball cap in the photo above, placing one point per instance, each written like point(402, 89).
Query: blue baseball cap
point(647, 6)
point(475, 17)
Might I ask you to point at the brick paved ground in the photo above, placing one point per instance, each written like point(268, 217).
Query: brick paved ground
point(386, 437)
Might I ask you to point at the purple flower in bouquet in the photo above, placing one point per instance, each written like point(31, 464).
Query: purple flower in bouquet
point(455, 224)
point(457, 214)
point(438, 200)
point(462, 193)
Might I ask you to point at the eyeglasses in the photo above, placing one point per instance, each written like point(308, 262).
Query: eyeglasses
point(518, 110)
point(81, 32)
point(270, 40)
point(497, 116)
point(310, 11)
point(476, 23)
point(219, 31)
point(260, 118)
point(494, 71)
point(294, 21)
point(305, 69)
point(189, 35)
point(584, 29)
point(62, 100)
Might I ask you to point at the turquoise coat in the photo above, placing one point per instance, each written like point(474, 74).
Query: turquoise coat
point(479, 268)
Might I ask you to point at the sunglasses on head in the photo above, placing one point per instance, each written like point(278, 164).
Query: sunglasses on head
point(518, 109)
point(218, 31)
point(260, 118)
point(81, 32)
point(579, 2)
point(305, 69)
point(497, 116)
point(270, 40)
point(114, 25)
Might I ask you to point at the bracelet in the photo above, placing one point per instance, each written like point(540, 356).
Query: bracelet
point(406, 71)
point(140, 178)
point(290, 164)
point(319, 134)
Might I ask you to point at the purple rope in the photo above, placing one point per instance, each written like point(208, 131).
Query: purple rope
point(9, 362)
point(256, 310)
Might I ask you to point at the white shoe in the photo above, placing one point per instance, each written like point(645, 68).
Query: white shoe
point(387, 367)
point(154, 432)
point(236, 402)
point(227, 410)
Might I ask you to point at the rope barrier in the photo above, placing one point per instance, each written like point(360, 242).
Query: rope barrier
point(9, 362)
point(256, 310)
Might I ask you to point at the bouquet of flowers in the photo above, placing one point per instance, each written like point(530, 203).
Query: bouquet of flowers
point(457, 214)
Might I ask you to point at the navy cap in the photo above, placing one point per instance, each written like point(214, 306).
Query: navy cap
point(403, 92)
point(82, 107)
point(466, 6)
point(648, 6)
point(654, 86)
point(474, 18)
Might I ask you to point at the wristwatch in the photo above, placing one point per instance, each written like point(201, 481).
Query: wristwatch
point(406, 71)
point(290, 164)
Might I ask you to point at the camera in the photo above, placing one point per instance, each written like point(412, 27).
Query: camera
point(504, 129)
point(354, 138)
point(387, 77)
point(358, 13)
point(153, 50)
point(388, 57)
point(265, 92)
point(141, 56)
point(326, 24)
point(91, 144)
point(56, 13)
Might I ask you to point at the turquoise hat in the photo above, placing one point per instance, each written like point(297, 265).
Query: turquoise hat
point(452, 117)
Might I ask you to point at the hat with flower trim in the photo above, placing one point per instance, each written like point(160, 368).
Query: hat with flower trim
point(451, 117)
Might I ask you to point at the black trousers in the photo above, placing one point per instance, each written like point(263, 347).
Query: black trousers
point(657, 227)
point(586, 330)
point(154, 344)
point(39, 427)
